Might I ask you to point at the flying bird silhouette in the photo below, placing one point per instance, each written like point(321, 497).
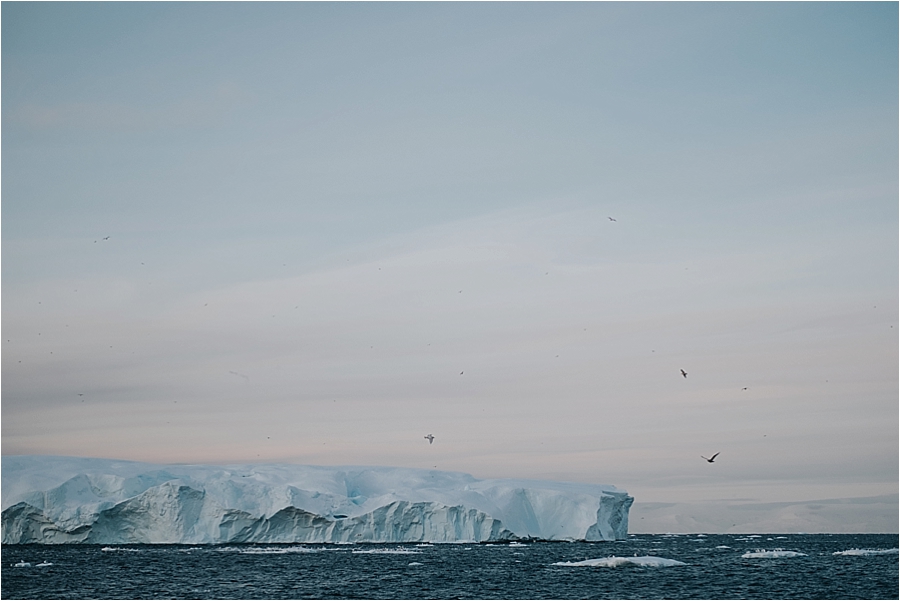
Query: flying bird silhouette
point(610, 218)
point(683, 373)
point(430, 439)
point(711, 459)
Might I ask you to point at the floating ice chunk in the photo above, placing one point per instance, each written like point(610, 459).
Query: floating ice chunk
point(22, 564)
point(387, 551)
point(414, 563)
point(43, 564)
point(277, 550)
point(120, 549)
point(615, 562)
point(867, 552)
point(773, 554)
point(723, 547)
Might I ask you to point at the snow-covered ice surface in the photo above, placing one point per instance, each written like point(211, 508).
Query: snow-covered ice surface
point(81, 500)
point(773, 554)
point(615, 562)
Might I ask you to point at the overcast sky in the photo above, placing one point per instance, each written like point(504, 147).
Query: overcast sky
point(315, 233)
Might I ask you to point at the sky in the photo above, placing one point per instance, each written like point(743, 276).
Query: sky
point(316, 232)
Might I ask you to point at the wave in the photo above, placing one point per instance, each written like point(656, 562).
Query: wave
point(867, 552)
point(615, 562)
point(773, 554)
point(387, 551)
point(277, 550)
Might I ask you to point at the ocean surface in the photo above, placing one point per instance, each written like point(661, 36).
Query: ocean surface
point(790, 566)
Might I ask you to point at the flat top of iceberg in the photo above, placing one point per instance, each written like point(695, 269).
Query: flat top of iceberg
point(24, 474)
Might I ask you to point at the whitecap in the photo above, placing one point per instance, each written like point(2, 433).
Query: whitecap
point(614, 562)
point(387, 551)
point(277, 550)
point(867, 552)
point(773, 554)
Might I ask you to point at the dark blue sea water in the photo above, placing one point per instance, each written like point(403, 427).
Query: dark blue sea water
point(643, 567)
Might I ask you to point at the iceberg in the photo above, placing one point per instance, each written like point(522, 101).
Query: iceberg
point(58, 500)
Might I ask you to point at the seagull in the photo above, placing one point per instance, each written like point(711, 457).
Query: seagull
point(744, 388)
point(683, 373)
point(107, 238)
point(711, 459)
point(610, 218)
point(430, 439)
point(461, 373)
point(239, 375)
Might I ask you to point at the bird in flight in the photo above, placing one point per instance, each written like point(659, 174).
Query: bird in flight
point(610, 218)
point(107, 238)
point(744, 388)
point(430, 439)
point(683, 373)
point(711, 459)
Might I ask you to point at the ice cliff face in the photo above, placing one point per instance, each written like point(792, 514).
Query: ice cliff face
point(76, 500)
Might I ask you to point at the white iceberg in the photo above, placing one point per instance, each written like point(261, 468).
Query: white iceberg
point(615, 562)
point(101, 501)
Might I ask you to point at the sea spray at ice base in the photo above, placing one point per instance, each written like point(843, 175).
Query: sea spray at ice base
point(77, 500)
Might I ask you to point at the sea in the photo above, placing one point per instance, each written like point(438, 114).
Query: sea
point(645, 566)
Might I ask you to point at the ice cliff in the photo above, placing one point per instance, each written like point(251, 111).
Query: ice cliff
point(79, 500)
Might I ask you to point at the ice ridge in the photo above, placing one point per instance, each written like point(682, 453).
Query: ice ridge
point(56, 500)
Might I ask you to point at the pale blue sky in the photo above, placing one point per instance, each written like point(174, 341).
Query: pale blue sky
point(320, 214)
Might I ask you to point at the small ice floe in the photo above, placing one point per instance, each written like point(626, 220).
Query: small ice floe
point(43, 564)
point(723, 547)
point(424, 545)
point(22, 564)
point(516, 544)
point(615, 562)
point(387, 551)
point(780, 538)
point(414, 563)
point(121, 549)
point(276, 550)
point(867, 552)
point(773, 554)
